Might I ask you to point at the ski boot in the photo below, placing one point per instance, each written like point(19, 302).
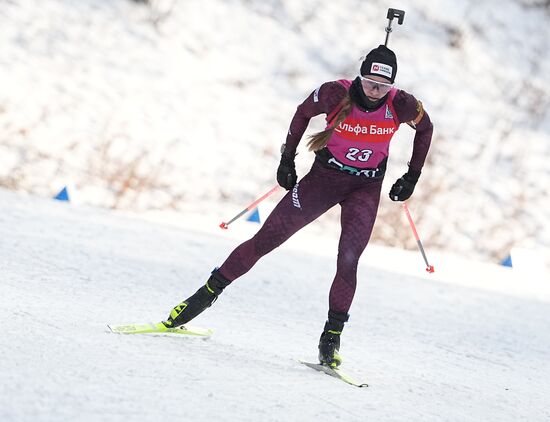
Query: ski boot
point(202, 299)
point(329, 343)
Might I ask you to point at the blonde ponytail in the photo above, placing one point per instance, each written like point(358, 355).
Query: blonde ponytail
point(319, 140)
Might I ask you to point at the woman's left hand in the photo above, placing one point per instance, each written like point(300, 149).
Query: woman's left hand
point(403, 188)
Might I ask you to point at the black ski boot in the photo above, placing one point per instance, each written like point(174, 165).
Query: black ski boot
point(329, 343)
point(202, 299)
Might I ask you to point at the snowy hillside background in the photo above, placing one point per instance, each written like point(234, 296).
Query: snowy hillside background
point(182, 106)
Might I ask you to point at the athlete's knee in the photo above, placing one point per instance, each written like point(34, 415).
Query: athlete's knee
point(348, 259)
point(267, 240)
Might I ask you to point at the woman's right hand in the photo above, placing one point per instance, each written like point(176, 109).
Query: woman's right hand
point(286, 173)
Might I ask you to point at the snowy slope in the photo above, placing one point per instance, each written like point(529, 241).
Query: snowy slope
point(431, 349)
point(184, 106)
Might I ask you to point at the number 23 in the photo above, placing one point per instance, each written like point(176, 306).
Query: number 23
point(352, 154)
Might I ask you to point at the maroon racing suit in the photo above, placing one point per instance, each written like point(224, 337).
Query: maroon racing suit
point(326, 186)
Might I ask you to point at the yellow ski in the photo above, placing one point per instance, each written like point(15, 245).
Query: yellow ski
point(159, 328)
point(334, 372)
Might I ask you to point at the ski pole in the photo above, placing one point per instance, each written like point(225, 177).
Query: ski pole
point(429, 267)
point(249, 207)
point(393, 13)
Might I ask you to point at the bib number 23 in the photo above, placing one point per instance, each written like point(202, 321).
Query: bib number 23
point(356, 154)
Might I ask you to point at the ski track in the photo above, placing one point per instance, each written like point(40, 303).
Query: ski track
point(429, 350)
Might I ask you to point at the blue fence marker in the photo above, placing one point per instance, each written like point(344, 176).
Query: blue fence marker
point(507, 262)
point(63, 195)
point(254, 216)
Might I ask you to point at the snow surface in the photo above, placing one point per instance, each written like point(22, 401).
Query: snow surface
point(467, 343)
point(184, 105)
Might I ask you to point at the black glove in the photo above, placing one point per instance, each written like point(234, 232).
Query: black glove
point(286, 173)
point(403, 188)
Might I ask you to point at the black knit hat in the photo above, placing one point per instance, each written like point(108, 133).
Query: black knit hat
point(380, 62)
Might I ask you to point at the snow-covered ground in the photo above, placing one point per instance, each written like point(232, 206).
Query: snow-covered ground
point(467, 343)
point(184, 105)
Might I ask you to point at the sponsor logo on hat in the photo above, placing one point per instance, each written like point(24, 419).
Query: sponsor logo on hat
point(381, 69)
